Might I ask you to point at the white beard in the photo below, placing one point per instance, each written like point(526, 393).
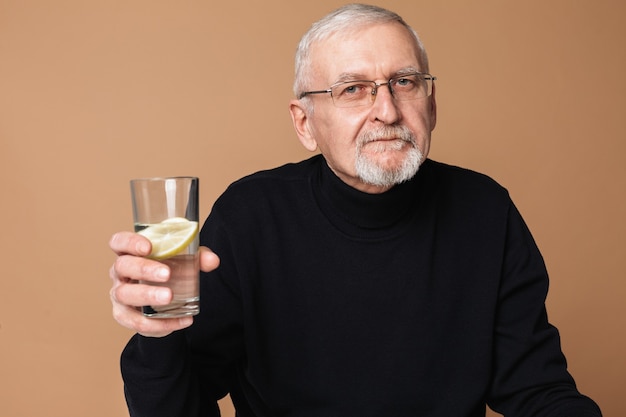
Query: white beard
point(370, 172)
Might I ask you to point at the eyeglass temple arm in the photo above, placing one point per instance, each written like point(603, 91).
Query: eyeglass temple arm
point(306, 93)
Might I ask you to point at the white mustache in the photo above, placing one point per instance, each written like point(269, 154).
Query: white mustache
point(386, 133)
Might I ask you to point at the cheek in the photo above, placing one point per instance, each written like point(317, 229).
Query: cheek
point(339, 130)
point(419, 119)
point(338, 145)
point(420, 123)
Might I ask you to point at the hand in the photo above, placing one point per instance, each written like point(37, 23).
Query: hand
point(127, 294)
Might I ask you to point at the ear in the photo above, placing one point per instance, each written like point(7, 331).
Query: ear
point(300, 119)
point(433, 110)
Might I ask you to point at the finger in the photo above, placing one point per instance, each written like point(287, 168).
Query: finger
point(130, 243)
point(137, 268)
point(208, 259)
point(136, 321)
point(137, 295)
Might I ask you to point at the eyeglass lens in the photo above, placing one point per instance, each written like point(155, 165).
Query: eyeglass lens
point(362, 93)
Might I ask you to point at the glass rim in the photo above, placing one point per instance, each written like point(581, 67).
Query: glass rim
point(157, 179)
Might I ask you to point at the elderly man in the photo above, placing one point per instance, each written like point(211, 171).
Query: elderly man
point(365, 281)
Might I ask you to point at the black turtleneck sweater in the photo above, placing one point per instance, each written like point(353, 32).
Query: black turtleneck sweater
point(426, 300)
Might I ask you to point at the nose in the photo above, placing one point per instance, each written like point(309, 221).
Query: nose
point(384, 106)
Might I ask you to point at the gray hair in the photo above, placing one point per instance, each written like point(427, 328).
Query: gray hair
point(346, 19)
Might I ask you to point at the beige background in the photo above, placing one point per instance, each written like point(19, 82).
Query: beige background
point(93, 93)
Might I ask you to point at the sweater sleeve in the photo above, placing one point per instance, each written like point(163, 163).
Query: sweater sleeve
point(157, 377)
point(530, 376)
point(185, 373)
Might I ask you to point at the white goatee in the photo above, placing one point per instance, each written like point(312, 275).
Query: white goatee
point(370, 172)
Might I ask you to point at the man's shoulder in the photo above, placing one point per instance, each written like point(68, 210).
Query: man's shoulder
point(270, 184)
point(293, 171)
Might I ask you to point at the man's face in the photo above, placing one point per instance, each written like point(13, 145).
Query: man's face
point(374, 53)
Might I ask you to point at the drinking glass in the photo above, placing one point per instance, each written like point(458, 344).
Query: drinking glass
point(165, 210)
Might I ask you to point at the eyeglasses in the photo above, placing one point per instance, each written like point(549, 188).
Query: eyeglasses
point(410, 86)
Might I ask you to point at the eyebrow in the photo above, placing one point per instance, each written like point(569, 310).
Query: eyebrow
point(406, 70)
point(349, 76)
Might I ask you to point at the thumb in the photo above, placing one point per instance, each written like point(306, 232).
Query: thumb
point(208, 259)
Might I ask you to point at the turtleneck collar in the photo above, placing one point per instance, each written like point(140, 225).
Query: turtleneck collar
point(355, 212)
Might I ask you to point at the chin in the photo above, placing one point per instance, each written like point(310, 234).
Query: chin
point(390, 170)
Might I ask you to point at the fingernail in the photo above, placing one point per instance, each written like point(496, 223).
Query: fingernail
point(186, 321)
point(162, 273)
point(162, 296)
point(142, 247)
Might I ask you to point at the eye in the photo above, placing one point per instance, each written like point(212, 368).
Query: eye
point(405, 82)
point(351, 89)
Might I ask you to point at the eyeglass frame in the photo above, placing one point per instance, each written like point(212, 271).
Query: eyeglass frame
point(426, 76)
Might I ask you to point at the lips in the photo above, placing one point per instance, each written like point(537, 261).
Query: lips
point(385, 144)
point(392, 139)
point(386, 134)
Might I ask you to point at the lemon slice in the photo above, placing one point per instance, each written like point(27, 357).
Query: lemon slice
point(170, 237)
